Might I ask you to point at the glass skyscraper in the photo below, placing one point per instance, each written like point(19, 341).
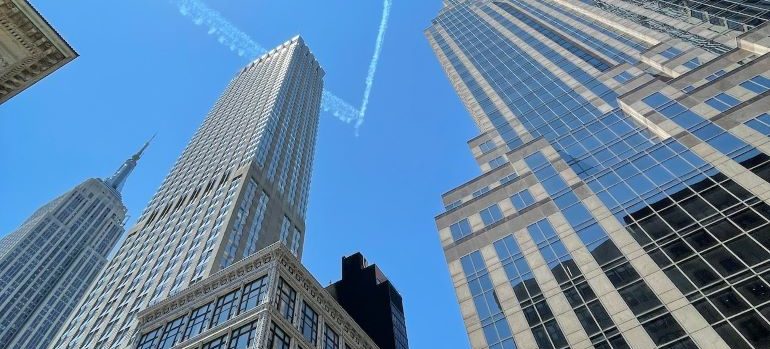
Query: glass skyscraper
point(624, 196)
point(241, 184)
point(48, 263)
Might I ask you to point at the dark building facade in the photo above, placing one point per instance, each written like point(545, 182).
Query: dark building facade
point(370, 298)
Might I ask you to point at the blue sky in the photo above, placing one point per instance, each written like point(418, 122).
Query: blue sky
point(144, 68)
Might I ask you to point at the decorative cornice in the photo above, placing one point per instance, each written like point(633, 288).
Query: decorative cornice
point(275, 255)
point(38, 50)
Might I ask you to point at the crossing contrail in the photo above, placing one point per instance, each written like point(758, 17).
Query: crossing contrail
point(375, 61)
point(242, 44)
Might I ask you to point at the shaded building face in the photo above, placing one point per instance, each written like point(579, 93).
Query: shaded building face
point(372, 301)
point(240, 185)
point(608, 130)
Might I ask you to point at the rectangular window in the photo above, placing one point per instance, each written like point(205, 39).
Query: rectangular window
point(226, 307)
point(460, 229)
point(197, 322)
point(453, 205)
point(331, 339)
point(670, 52)
point(692, 64)
point(278, 339)
point(623, 77)
point(509, 178)
point(522, 199)
point(761, 123)
point(218, 343)
point(497, 162)
point(243, 336)
point(149, 340)
point(286, 299)
point(722, 102)
point(254, 294)
point(172, 333)
point(758, 84)
point(487, 146)
point(309, 324)
point(491, 215)
point(480, 192)
point(716, 74)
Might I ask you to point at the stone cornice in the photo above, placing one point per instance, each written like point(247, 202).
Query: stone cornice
point(273, 256)
point(38, 48)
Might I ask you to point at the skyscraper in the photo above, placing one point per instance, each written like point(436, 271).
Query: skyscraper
point(47, 265)
point(30, 48)
point(241, 184)
point(624, 195)
point(372, 300)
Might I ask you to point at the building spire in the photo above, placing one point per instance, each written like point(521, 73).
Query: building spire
point(117, 180)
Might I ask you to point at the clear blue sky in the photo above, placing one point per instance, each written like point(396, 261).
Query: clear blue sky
point(144, 68)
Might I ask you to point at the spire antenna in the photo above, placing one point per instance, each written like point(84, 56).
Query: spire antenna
point(118, 179)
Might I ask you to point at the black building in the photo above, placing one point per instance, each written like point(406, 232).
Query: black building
point(368, 296)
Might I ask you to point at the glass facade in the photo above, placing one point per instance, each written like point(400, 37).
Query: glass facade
point(635, 166)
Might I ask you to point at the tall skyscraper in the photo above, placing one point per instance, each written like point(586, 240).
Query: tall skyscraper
point(47, 265)
point(624, 195)
point(240, 185)
point(372, 300)
point(30, 48)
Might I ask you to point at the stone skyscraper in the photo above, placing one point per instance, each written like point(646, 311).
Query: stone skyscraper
point(624, 195)
point(47, 265)
point(240, 185)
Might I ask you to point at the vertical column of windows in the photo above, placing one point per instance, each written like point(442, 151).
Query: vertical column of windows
point(256, 225)
point(488, 308)
point(656, 320)
point(590, 312)
point(234, 239)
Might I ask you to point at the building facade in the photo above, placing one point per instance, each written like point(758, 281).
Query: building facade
point(624, 195)
point(371, 299)
point(47, 264)
point(268, 300)
point(30, 48)
point(240, 185)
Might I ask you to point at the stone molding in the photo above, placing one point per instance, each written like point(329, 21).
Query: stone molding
point(37, 47)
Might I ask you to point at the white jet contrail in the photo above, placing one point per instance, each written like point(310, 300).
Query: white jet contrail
point(375, 61)
point(240, 43)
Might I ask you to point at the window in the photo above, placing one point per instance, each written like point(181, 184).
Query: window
point(480, 192)
point(692, 64)
point(623, 77)
point(722, 102)
point(497, 162)
point(172, 332)
point(716, 74)
point(331, 339)
point(670, 52)
point(522, 199)
point(758, 84)
point(226, 307)
point(491, 215)
point(278, 338)
point(688, 89)
point(453, 205)
point(309, 324)
point(243, 336)
point(760, 123)
point(487, 146)
point(149, 340)
point(460, 229)
point(286, 299)
point(509, 178)
point(254, 294)
point(218, 343)
point(197, 322)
